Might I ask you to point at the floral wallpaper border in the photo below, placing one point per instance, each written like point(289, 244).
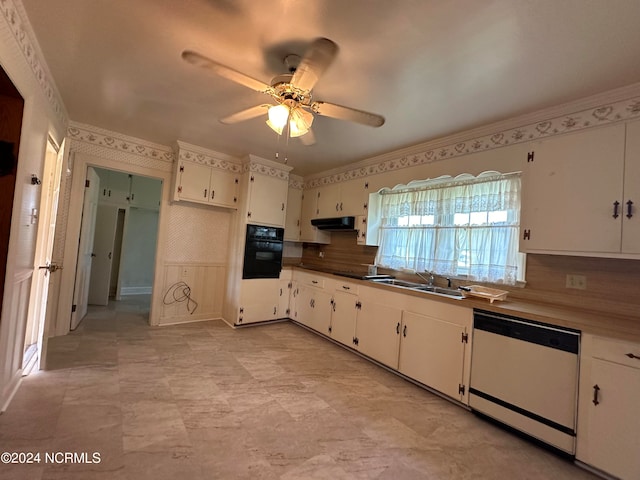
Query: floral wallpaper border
point(212, 161)
point(593, 117)
point(266, 170)
point(21, 31)
point(119, 142)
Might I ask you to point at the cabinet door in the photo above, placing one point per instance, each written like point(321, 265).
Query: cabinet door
point(145, 192)
point(329, 201)
point(258, 300)
point(223, 188)
point(353, 197)
point(343, 317)
point(631, 225)
point(267, 199)
point(432, 352)
point(309, 233)
point(314, 308)
point(614, 424)
point(194, 182)
point(292, 220)
point(378, 332)
point(568, 192)
point(284, 299)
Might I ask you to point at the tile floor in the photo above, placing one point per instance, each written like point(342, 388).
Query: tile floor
point(204, 401)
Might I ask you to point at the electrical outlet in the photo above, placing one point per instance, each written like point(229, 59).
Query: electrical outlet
point(185, 272)
point(579, 282)
point(321, 254)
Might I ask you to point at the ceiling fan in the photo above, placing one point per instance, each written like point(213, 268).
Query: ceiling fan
point(294, 110)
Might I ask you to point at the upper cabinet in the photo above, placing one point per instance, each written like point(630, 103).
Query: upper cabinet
point(309, 233)
point(145, 192)
point(342, 199)
point(202, 178)
point(578, 193)
point(294, 210)
point(267, 186)
point(124, 189)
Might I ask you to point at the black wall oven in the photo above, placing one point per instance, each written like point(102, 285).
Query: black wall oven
point(263, 252)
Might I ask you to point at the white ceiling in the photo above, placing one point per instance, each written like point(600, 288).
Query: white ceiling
point(431, 67)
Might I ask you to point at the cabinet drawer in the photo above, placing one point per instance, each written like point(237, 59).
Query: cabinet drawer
point(623, 353)
point(347, 287)
point(309, 279)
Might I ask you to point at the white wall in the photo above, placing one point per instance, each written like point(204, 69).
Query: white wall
point(138, 251)
point(44, 115)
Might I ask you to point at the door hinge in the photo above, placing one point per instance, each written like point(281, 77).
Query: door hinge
point(461, 389)
point(465, 338)
point(289, 285)
point(241, 310)
point(73, 308)
point(249, 214)
point(251, 179)
point(287, 311)
point(329, 328)
point(356, 340)
point(87, 183)
point(180, 189)
point(181, 168)
point(526, 235)
point(530, 156)
point(358, 305)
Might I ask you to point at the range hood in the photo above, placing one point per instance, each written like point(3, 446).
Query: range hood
point(335, 224)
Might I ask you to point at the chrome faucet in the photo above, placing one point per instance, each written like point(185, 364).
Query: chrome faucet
point(429, 280)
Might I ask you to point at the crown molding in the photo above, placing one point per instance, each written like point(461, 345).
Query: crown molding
point(16, 18)
point(608, 107)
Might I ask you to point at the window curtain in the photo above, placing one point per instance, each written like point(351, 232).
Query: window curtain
point(465, 228)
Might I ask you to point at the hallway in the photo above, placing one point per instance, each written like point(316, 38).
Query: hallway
point(204, 401)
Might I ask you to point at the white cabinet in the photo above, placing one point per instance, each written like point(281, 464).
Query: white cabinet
point(146, 192)
point(432, 351)
point(267, 199)
point(361, 229)
point(259, 300)
point(576, 189)
point(378, 328)
point(309, 233)
point(205, 184)
point(294, 211)
point(344, 306)
point(114, 186)
point(284, 298)
point(608, 422)
point(342, 199)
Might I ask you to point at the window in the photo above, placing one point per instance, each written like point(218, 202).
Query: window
point(463, 227)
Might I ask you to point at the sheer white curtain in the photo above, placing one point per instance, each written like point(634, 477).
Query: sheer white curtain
point(463, 227)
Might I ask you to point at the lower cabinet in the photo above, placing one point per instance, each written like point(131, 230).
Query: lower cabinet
point(313, 308)
point(344, 312)
point(378, 331)
point(608, 422)
point(432, 351)
point(259, 300)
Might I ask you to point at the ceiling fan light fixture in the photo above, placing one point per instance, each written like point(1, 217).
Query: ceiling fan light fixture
point(300, 122)
point(278, 116)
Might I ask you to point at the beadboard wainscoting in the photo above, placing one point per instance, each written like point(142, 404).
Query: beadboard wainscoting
point(192, 292)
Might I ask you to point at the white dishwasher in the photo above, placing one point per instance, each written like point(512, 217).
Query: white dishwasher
point(524, 374)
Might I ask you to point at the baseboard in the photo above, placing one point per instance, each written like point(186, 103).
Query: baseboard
point(181, 320)
point(11, 389)
point(135, 291)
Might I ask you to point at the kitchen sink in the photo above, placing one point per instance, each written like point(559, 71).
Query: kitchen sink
point(422, 287)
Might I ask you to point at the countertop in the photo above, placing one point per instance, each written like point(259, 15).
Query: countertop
point(587, 321)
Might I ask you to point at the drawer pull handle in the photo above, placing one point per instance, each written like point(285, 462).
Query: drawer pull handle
point(398, 329)
point(404, 331)
point(596, 389)
point(314, 281)
point(629, 209)
point(631, 355)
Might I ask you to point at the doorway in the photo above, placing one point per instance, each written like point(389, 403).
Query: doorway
point(125, 230)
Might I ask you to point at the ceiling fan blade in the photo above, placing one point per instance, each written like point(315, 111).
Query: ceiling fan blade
point(194, 58)
point(346, 113)
point(315, 61)
point(247, 114)
point(308, 138)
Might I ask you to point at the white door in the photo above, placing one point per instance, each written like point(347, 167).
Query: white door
point(103, 246)
point(83, 268)
point(44, 252)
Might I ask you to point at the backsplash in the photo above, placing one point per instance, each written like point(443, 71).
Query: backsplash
point(611, 283)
